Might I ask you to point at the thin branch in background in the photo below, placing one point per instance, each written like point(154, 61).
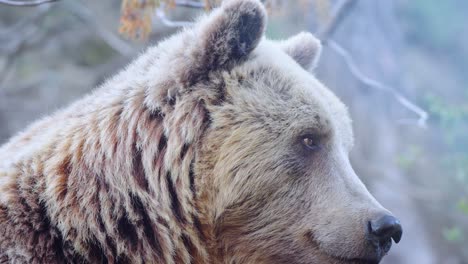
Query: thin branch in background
point(357, 73)
point(170, 23)
point(188, 3)
point(337, 15)
point(161, 14)
point(325, 33)
point(26, 3)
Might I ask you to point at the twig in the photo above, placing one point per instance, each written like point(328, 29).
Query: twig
point(188, 3)
point(170, 23)
point(421, 121)
point(26, 3)
point(325, 33)
point(338, 14)
point(167, 22)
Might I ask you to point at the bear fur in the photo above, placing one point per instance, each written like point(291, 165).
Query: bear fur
point(192, 154)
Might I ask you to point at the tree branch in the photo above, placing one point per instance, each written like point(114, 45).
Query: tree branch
point(26, 3)
point(338, 14)
point(183, 3)
point(170, 23)
point(325, 33)
point(189, 3)
point(357, 73)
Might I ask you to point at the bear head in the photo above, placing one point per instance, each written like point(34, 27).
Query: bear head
point(272, 176)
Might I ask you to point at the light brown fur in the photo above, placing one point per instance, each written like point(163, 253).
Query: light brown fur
point(191, 155)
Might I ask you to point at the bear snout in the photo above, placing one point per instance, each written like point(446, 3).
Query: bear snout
point(381, 231)
point(385, 228)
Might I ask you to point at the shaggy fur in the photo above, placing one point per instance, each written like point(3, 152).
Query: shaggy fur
point(193, 154)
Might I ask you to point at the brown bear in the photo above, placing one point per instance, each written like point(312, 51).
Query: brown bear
point(215, 146)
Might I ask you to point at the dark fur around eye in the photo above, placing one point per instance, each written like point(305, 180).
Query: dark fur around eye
point(310, 142)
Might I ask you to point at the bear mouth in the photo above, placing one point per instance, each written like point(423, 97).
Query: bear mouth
point(339, 259)
point(352, 260)
point(359, 261)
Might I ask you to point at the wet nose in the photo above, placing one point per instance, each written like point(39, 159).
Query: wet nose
point(384, 228)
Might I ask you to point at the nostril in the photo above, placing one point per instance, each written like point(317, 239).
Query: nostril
point(385, 228)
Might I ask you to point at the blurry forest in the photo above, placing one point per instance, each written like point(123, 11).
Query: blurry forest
point(375, 51)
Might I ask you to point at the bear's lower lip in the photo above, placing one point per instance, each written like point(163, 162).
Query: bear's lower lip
point(356, 260)
point(341, 259)
point(363, 261)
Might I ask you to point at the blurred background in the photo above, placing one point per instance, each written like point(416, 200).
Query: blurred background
point(391, 62)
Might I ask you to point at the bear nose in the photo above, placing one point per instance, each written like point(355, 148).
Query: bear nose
point(384, 228)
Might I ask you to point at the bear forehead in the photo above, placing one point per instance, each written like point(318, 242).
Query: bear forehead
point(279, 91)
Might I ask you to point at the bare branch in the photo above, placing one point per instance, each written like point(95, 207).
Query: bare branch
point(189, 3)
point(422, 115)
point(26, 3)
point(170, 23)
point(167, 22)
point(325, 33)
point(339, 12)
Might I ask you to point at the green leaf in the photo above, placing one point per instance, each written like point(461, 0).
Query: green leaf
point(453, 234)
point(463, 206)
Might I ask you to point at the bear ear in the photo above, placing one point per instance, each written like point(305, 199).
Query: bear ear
point(304, 48)
point(229, 34)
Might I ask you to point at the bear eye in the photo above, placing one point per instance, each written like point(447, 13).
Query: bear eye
point(310, 143)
